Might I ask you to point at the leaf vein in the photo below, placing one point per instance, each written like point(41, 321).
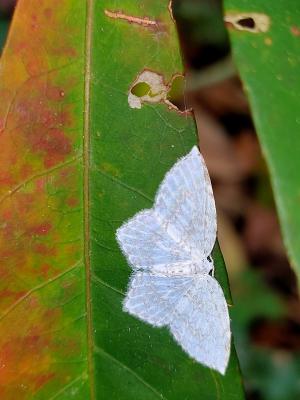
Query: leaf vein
point(36, 288)
point(125, 185)
point(70, 384)
point(38, 175)
point(101, 282)
point(100, 351)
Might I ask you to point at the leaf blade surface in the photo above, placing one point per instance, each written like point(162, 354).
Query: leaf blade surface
point(79, 160)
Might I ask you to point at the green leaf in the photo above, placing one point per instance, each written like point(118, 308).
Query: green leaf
point(268, 61)
point(76, 162)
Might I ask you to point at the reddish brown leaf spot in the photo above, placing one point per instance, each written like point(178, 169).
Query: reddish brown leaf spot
point(55, 93)
point(53, 143)
point(73, 202)
point(42, 229)
point(295, 30)
point(7, 214)
point(6, 179)
point(41, 380)
point(45, 268)
point(40, 184)
point(69, 52)
point(48, 13)
point(42, 249)
point(13, 296)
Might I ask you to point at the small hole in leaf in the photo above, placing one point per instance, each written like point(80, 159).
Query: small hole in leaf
point(251, 22)
point(176, 93)
point(141, 89)
point(247, 23)
point(209, 259)
point(210, 272)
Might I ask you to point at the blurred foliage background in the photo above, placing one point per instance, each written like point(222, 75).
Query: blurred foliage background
point(266, 311)
point(265, 315)
point(6, 10)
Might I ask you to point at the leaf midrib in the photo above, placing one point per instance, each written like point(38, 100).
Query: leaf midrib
point(86, 194)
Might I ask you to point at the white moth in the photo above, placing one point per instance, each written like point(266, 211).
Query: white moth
point(168, 247)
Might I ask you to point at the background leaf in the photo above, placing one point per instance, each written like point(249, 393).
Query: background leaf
point(269, 66)
point(78, 161)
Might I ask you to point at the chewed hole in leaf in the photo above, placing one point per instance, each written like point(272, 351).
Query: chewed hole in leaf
point(141, 89)
point(148, 87)
point(247, 23)
point(251, 22)
point(175, 96)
